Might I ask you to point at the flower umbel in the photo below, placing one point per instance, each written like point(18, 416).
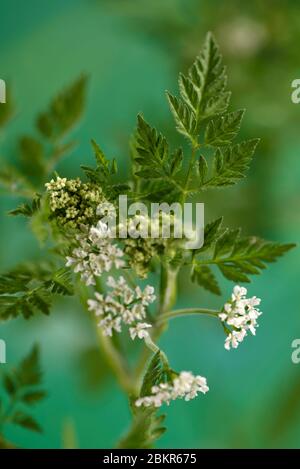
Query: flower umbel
point(73, 202)
point(184, 386)
point(95, 253)
point(123, 305)
point(240, 313)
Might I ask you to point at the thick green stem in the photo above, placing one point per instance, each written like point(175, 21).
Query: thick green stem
point(167, 289)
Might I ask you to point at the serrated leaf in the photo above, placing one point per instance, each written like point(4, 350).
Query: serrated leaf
point(102, 162)
point(203, 92)
point(153, 375)
point(231, 163)
point(233, 272)
point(26, 305)
point(27, 210)
point(225, 243)
point(146, 428)
point(238, 257)
point(185, 120)
point(203, 169)
point(60, 282)
point(64, 111)
point(223, 129)
point(208, 75)
point(212, 231)
point(152, 155)
point(203, 276)
point(176, 161)
point(152, 148)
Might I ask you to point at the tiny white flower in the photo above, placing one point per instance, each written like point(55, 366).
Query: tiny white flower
point(138, 311)
point(239, 292)
point(184, 386)
point(147, 295)
point(241, 314)
point(121, 305)
point(140, 330)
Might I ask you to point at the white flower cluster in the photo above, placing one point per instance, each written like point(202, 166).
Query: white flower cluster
point(185, 386)
point(95, 254)
point(241, 314)
point(123, 305)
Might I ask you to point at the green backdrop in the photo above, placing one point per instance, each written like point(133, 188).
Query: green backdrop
point(132, 51)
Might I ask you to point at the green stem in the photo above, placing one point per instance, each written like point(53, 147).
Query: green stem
point(114, 359)
point(154, 348)
point(117, 364)
point(186, 311)
point(167, 298)
point(167, 295)
point(188, 174)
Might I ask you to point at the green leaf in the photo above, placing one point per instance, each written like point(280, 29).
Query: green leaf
point(238, 257)
point(20, 384)
point(225, 243)
point(102, 162)
point(9, 384)
point(202, 168)
point(211, 234)
point(60, 282)
point(32, 156)
point(209, 78)
point(146, 428)
point(32, 397)
point(223, 129)
point(64, 111)
point(203, 275)
point(176, 161)
point(14, 182)
point(185, 120)
point(26, 305)
point(231, 163)
point(26, 421)
point(152, 148)
point(27, 289)
point(153, 376)
point(28, 372)
point(27, 210)
point(152, 154)
point(203, 92)
point(104, 168)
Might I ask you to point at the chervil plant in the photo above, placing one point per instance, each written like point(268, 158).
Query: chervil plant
point(73, 214)
point(21, 392)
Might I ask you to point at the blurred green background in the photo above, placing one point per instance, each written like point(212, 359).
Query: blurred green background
point(132, 51)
